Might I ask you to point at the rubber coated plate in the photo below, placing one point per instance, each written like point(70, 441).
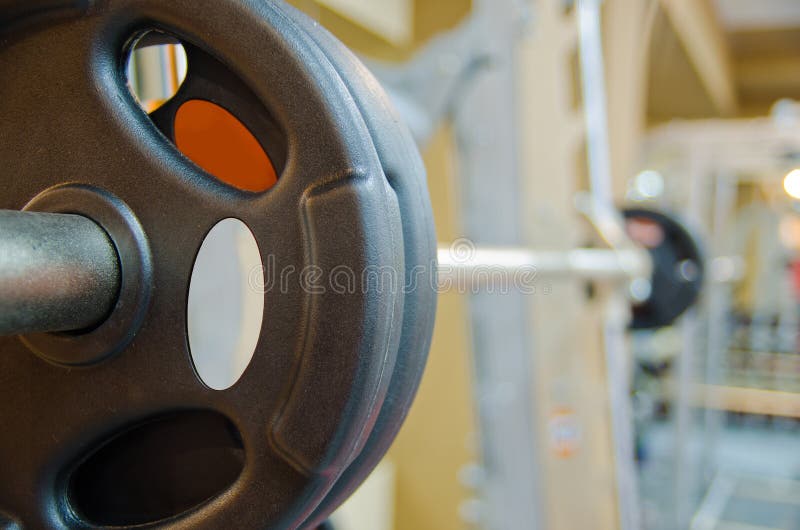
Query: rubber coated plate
point(678, 267)
point(406, 173)
point(302, 409)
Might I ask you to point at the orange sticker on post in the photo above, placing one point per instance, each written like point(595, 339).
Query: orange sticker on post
point(565, 432)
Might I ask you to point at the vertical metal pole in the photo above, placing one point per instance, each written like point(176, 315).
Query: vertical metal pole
point(619, 370)
point(685, 474)
point(487, 136)
point(594, 101)
point(152, 74)
point(686, 460)
point(718, 301)
point(600, 177)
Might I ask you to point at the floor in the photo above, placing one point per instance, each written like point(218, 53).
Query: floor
point(746, 479)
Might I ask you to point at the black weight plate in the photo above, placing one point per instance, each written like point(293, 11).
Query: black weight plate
point(302, 408)
point(208, 80)
point(678, 267)
point(406, 165)
point(17, 12)
point(406, 173)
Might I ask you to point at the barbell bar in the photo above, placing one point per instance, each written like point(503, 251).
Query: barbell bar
point(60, 272)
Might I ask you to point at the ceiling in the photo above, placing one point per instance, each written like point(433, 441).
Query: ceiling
point(746, 50)
point(755, 15)
point(764, 42)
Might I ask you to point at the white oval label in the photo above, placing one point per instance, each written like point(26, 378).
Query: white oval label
point(224, 311)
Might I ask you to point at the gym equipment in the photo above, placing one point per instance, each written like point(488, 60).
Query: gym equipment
point(112, 425)
point(77, 296)
point(675, 273)
point(678, 267)
point(489, 130)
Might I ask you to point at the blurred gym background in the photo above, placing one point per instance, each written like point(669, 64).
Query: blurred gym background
point(533, 412)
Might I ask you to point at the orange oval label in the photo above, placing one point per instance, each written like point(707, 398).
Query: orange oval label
point(218, 142)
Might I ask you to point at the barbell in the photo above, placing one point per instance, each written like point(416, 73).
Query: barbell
point(112, 421)
point(131, 256)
